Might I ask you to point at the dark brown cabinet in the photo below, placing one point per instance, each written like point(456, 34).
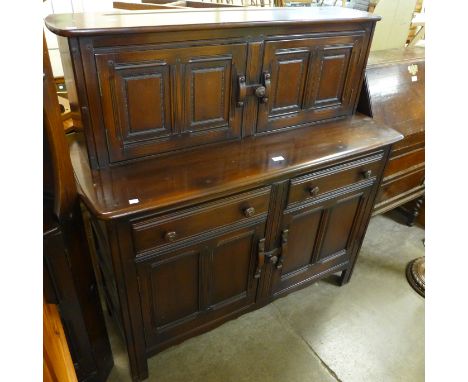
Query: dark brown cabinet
point(185, 288)
point(310, 79)
point(139, 89)
point(221, 161)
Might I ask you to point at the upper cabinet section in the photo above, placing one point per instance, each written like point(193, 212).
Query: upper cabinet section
point(218, 75)
point(160, 100)
point(310, 79)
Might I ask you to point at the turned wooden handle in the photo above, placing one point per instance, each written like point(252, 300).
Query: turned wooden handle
point(367, 174)
point(170, 236)
point(249, 212)
point(313, 191)
point(261, 258)
point(242, 91)
point(284, 248)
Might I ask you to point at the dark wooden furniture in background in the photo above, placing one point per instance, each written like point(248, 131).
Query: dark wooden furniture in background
point(213, 183)
point(393, 94)
point(68, 275)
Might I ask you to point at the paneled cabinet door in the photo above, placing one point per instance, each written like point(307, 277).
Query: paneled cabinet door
point(317, 237)
point(309, 79)
point(185, 288)
point(156, 101)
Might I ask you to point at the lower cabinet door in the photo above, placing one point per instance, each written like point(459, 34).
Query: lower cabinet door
point(186, 288)
point(318, 237)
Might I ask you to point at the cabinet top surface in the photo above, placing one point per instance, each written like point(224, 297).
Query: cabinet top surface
point(93, 24)
point(212, 171)
point(392, 56)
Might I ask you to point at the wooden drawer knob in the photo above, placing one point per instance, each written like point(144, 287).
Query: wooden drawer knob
point(313, 191)
point(367, 174)
point(170, 236)
point(249, 212)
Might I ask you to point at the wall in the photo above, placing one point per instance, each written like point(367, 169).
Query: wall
point(68, 6)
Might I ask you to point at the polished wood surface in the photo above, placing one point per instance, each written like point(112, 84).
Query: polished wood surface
point(148, 94)
point(221, 165)
point(172, 181)
point(83, 24)
point(57, 362)
point(394, 94)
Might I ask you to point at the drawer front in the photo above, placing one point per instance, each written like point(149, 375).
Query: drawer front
point(174, 227)
point(401, 185)
point(320, 182)
point(405, 162)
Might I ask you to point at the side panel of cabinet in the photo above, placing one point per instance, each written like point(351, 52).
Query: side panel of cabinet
point(320, 238)
point(310, 79)
point(182, 290)
point(156, 101)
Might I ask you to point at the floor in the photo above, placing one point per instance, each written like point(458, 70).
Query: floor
point(372, 329)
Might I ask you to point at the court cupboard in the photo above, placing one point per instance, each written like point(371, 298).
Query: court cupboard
point(222, 162)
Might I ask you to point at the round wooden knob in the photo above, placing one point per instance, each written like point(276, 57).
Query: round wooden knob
point(260, 92)
point(170, 236)
point(313, 191)
point(249, 212)
point(367, 174)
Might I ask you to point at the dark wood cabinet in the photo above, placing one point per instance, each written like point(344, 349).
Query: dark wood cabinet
point(310, 79)
point(393, 93)
point(185, 288)
point(212, 181)
point(162, 100)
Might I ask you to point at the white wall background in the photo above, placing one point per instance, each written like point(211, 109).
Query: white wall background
point(68, 6)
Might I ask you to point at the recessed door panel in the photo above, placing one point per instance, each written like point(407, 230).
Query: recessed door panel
point(171, 288)
point(340, 222)
point(233, 263)
point(142, 101)
point(303, 230)
point(207, 94)
point(288, 72)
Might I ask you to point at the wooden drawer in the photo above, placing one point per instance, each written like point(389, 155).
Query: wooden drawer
point(404, 162)
point(320, 182)
point(154, 232)
point(401, 185)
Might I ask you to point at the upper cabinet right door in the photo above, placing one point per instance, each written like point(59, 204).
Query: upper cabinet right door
point(310, 79)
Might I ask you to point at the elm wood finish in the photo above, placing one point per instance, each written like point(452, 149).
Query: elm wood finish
point(391, 96)
point(187, 239)
point(230, 75)
point(68, 274)
point(164, 260)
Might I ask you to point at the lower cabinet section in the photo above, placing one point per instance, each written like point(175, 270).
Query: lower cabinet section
point(318, 237)
point(184, 288)
point(177, 273)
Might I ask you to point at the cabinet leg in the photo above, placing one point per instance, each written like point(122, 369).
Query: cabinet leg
point(414, 213)
point(345, 276)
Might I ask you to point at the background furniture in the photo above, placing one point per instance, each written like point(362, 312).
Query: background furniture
point(69, 281)
point(393, 93)
point(212, 182)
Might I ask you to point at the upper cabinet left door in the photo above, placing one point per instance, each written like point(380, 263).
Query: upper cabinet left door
point(160, 100)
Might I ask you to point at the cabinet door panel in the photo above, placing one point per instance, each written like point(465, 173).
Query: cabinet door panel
point(321, 238)
point(207, 92)
point(183, 289)
point(340, 221)
point(160, 100)
point(232, 272)
point(303, 229)
point(311, 79)
point(170, 288)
